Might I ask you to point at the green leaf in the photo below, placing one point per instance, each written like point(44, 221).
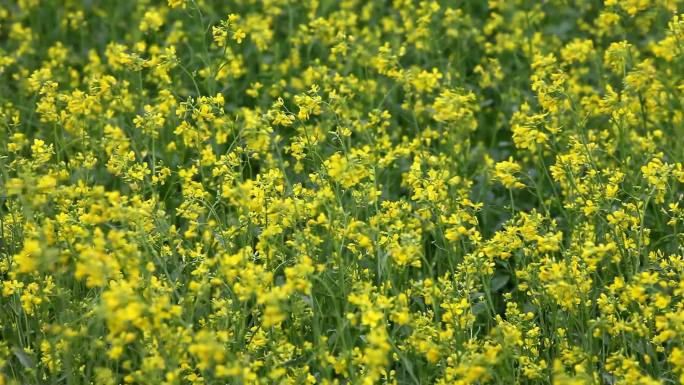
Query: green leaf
point(499, 281)
point(479, 308)
point(24, 358)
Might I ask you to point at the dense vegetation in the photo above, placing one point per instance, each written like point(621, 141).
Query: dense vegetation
point(341, 192)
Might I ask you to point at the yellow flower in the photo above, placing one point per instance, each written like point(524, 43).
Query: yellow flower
point(27, 260)
point(505, 171)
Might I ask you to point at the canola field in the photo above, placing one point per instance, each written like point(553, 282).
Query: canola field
point(205, 192)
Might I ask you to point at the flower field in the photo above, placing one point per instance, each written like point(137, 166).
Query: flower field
point(447, 192)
